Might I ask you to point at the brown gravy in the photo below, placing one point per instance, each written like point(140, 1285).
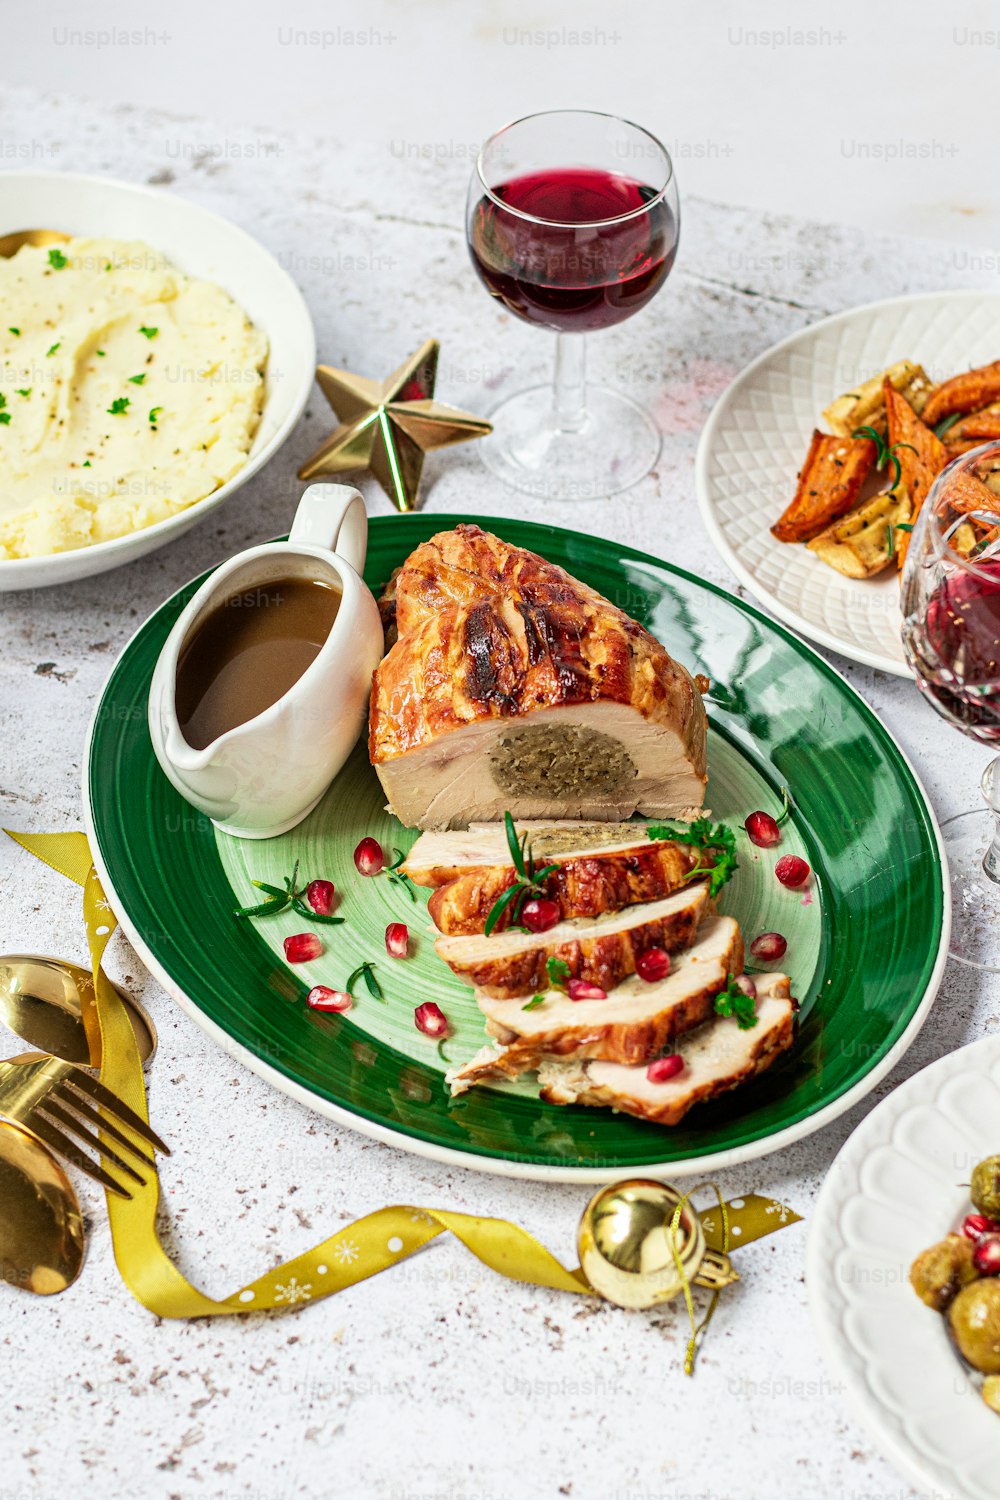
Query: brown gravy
point(248, 652)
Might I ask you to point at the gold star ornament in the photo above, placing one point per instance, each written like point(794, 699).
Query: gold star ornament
point(388, 426)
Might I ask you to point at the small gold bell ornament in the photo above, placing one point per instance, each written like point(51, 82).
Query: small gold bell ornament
point(641, 1243)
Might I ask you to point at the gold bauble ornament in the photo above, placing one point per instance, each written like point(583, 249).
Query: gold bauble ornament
point(631, 1237)
point(388, 426)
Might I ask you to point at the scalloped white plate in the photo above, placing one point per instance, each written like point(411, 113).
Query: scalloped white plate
point(755, 440)
point(895, 1188)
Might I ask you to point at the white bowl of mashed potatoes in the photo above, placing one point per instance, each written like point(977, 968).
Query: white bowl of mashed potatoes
point(149, 365)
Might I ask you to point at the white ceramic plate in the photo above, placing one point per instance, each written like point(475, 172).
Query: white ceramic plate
point(204, 245)
point(755, 440)
point(896, 1188)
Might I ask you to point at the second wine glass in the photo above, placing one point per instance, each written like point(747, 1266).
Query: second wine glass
point(573, 221)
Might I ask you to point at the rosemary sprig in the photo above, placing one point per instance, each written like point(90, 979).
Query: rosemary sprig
point(281, 898)
point(733, 1004)
point(527, 878)
point(947, 423)
point(883, 453)
point(718, 839)
point(396, 876)
point(365, 971)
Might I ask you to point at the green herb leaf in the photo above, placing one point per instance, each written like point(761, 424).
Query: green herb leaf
point(266, 909)
point(149, 333)
point(119, 406)
point(514, 845)
point(99, 353)
point(15, 331)
point(500, 905)
point(50, 352)
point(397, 877)
point(734, 1005)
point(786, 807)
point(891, 540)
point(272, 890)
point(24, 391)
point(137, 379)
point(154, 412)
point(876, 437)
point(947, 423)
point(57, 260)
point(365, 971)
point(719, 840)
point(442, 1054)
point(904, 525)
point(558, 971)
point(534, 1002)
point(4, 418)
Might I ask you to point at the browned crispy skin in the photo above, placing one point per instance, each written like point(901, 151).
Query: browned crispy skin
point(983, 426)
point(605, 960)
point(490, 631)
point(967, 392)
point(582, 887)
point(921, 455)
point(830, 482)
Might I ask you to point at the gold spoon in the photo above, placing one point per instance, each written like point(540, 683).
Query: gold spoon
point(41, 1227)
point(42, 999)
point(11, 243)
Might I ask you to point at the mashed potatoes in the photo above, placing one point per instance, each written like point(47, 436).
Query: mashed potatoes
point(127, 392)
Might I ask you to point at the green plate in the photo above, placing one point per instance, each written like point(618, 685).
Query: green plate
point(867, 939)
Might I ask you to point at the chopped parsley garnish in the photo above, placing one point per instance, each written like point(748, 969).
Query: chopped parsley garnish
point(149, 333)
point(4, 415)
point(50, 352)
point(57, 260)
point(558, 972)
point(15, 331)
point(534, 1002)
point(719, 841)
point(99, 353)
point(24, 390)
point(137, 379)
point(119, 406)
point(154, 412)
point(85, 464)
point(733, 1004)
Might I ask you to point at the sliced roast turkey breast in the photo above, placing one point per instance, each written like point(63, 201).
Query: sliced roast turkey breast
point(512, 686)
point(718, 1056)
point(440, 856)
point(602, 950)
point(635, 1023)
point(581, 886)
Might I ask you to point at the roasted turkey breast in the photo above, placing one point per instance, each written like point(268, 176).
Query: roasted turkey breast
point(512, 686)
point(438, 857)
point(717, 1057)
point(635, 1023)
point(602, 950)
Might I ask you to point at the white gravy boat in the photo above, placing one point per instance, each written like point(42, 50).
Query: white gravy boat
point(262, 777)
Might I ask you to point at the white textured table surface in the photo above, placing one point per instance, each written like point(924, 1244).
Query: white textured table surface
point(436, 1380)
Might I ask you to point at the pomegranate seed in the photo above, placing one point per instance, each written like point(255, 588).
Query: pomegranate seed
point(431, 1019)
point(320, 894)
point(302, 947)
point(665, 1067)
point(978, 1224)
point(770, 946)
point(368, 857)
point(791, 870)
point(582, 989)
point(322, 998)
point(539, 914)
point(762, 830)
point(745, 983)
point(986, 1255)
point(652, 965)
point(397, 940)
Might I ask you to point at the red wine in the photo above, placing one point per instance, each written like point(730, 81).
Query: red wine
point(572, 272)
point(958, 650)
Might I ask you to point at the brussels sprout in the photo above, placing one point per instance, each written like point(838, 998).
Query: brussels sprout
point(985, 1187)
point(975, 1321)
point(939, 1274)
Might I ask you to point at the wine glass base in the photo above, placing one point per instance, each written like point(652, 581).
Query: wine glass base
point(975, 933)
point(616, 445)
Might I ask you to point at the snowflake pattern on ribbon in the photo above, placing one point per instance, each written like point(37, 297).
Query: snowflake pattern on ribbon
point(293, 1291)
point(347, 1252)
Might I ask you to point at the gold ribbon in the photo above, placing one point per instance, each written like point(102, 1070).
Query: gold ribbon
point(362, 1249)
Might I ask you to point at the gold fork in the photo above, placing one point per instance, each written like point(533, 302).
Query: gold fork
point(58, 1100)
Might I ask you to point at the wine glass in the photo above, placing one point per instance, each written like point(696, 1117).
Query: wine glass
point(951, 635)
point(572, 223)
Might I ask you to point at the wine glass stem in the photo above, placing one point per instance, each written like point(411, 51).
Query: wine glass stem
point(570, 404)
point(991, 791)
